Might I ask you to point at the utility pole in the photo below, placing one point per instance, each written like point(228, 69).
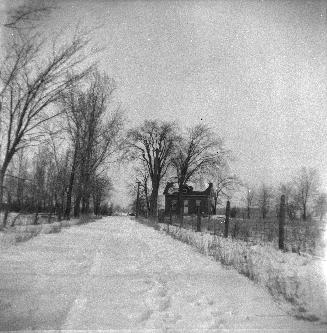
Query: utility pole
point(282, 218)
point(137, 199)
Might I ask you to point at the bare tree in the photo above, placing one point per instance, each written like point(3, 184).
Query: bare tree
point(265, 194)
point(142, 205)
point(39, 180)
point(31, 80)
point(143, 177)
point(224, 183)
point(101, 187)
point(94, 128)
point(28, 15)
point(306, 186)
point(153, 144)
point(197, 154)
point(292, 205)
point(59, 170)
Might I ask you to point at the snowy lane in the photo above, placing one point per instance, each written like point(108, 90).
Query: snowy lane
point(118, 274)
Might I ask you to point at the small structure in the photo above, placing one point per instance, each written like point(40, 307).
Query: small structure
point(192, 200)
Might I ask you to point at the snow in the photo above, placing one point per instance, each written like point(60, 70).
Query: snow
point(299, 280)
point(118, 274)
point(24, 231)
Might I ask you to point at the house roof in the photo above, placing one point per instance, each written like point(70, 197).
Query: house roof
point(171, 189)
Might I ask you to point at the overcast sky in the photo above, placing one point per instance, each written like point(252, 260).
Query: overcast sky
point(254, 70)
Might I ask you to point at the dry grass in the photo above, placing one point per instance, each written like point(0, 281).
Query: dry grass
point(300, 280)
point(24, 229)
point(300, 236)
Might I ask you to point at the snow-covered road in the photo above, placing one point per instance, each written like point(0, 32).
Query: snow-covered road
point(118, 274)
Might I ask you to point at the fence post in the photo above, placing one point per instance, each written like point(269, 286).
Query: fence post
point(198, 225)
point(169, 221)
point(171, 213)
point(282, 215)
point(227, 219)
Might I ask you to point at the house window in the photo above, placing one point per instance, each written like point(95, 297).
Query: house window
point(198, 203)
point(173, 205)
point(185, 206)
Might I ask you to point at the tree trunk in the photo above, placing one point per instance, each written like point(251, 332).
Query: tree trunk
point(97, 204)
point(146, 197)
point(83, 211)
point(70, 187)
point(85, 203)
point(155, 187)
point(58, 207)
point(304, 212)
point(2, 180)
point(154, 199)
point(154, 203)
point(36, 217)
point(5, 218)
point(20, 193)
point(77, 205)
point(215, 210)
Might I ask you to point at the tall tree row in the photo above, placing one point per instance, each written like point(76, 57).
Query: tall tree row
point(33, 75)
point(93, 132)
point(59, 127)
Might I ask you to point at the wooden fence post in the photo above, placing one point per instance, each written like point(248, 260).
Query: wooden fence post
point(169, 221)
point(227, 219)
point(171, 213)
point(198, 225)
point(282, 216)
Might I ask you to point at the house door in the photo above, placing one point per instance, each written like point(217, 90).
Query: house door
point(185, 207)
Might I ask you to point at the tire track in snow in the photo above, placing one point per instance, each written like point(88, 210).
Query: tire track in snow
point(77, 309)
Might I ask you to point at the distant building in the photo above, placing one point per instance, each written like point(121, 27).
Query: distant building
point(192, 200)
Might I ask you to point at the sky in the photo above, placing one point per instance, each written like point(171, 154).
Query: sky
point(255, 71)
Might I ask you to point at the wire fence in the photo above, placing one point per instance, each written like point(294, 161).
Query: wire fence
point(300, 236)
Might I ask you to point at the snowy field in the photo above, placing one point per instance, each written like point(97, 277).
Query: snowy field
point(118, 274)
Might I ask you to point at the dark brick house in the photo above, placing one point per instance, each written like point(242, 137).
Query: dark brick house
point(191, 200)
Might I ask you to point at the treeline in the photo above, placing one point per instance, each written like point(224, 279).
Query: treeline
point(59, 123)
point(303, 194)
point(162, 152)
